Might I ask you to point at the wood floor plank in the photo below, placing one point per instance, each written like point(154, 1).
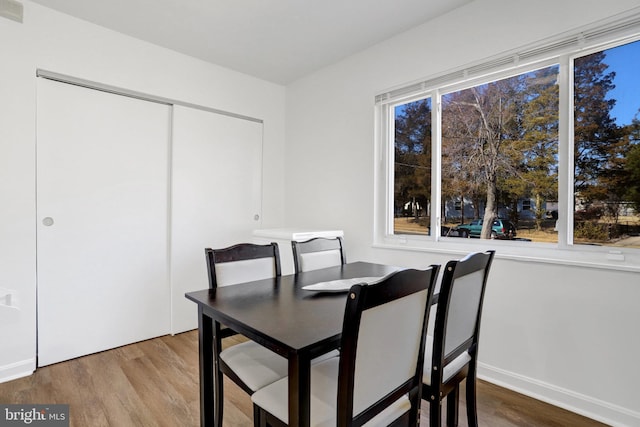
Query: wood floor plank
point(116, 395)
point(155, 383)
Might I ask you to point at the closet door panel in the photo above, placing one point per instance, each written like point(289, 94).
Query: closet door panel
point(216, 196)
point(102, 218)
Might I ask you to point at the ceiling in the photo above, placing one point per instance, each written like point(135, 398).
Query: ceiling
point(275, 40)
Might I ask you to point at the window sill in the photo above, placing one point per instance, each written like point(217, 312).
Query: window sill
point(598, 257)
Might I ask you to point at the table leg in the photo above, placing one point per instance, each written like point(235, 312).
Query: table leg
point(299, 390)
point(218, 382)
point(205, 345)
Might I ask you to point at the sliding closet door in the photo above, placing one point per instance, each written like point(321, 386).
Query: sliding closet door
point(102, 185)
point(216, 196)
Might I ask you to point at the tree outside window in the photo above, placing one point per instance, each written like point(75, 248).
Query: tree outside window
point(499, 153)
point(500, 165)
point(499, 150)
point(412, 167)
point(606, 150)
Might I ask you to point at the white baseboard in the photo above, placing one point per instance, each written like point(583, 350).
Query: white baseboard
point(17, 370)
point(587, 406)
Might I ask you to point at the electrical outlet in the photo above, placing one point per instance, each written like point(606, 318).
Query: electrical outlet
point(12, 9)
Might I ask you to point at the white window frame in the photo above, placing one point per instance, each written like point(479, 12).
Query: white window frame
point(561, 51)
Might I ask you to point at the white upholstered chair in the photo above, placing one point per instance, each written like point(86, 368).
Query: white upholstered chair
point(248, 364)
point(376, 379)
point(451, 353)
point(320, 252)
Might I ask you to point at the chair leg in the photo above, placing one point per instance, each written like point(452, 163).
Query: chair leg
point(218, 399)
point(258, 419)
point(435, 417)
point(218, 380)
point(414, 413)
point(452, 407)
point(472, 410)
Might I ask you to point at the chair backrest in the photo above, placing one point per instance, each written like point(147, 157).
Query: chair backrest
point(457, 322)
point(382, 343)
point(320, 252)
point(243, 262)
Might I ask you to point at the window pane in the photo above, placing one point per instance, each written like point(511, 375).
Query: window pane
point(500, 158)
point(412, 167)
point(606, 149)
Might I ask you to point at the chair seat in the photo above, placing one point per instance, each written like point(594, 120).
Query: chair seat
point(257, 366)
point(324, 393)
point(450, 370)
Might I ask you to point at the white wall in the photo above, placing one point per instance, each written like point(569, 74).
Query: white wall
point(566, 334)
point(59, 43)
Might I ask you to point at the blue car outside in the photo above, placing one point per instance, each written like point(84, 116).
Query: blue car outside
point(501, 229)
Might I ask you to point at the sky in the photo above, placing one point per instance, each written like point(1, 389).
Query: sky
point(625, 61)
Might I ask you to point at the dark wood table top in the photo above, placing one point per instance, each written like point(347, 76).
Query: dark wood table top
point(280, 315)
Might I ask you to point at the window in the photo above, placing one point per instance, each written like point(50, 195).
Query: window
point(606, 145)
point(500, 154)
point(412, 167)
point(549, 150)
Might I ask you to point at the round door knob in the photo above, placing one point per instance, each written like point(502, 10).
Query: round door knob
point(256, 217)
point(48, 221)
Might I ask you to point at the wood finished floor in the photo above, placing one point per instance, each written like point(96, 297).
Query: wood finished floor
point(155, 383)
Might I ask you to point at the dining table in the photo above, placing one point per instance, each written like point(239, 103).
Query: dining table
point(280, 314)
